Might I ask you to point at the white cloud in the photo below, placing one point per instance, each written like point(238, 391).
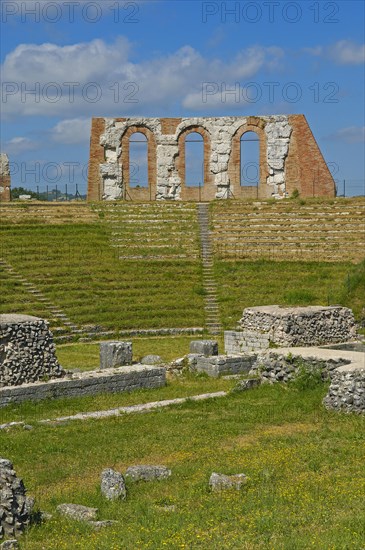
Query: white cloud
point(351, 134)
point(71, 131)
point(96, 78)
point(343, 52)
point(19, 145)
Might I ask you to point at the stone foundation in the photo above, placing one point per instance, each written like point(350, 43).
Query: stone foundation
point(123, 379)
point(273, 326)
point(27, 351)
point(222, 364)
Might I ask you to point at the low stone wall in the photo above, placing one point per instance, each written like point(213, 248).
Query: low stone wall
point(122, 379)
point(265, 326)
point(274, 366)
point(27, 351)
point(243, 341)
point(347, 390)
point(221, 364)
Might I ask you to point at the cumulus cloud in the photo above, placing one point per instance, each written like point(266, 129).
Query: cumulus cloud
point(19, 145)
point(343, 52)
point(96, 78)
point(71, 131)
point(351, 134)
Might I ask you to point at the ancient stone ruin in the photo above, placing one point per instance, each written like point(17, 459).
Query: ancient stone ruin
point(27, 351)
point(15, 506)
point(263, 327)
point(5, 178)
point(289, 158)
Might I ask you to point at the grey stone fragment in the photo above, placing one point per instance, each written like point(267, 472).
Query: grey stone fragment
point(151, 360)
point(204, 347)
point(147, 472)
point(15, 507)
point(115, 354)
point(247, 384)
point(113, 485)
point(221, 482)
point(10, 545)
point(77, 511)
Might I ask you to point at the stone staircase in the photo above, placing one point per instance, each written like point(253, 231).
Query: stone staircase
point(210, 288)
point(62, 328)
point(152, 231)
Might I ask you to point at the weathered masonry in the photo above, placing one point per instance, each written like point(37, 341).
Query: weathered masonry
point(288, 158)
point(4, 178)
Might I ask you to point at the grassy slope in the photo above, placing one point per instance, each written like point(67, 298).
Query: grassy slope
point(252, 283)
point(305, 469)
point(78, 270)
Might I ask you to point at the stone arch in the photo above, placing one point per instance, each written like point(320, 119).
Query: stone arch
point(144, 193)
point(257, 125)
point(207, 191)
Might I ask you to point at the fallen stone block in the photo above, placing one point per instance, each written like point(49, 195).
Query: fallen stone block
point(224, 364)
point(78, 512)
point(147, 472)
point(113, 485)
point(204, 347)
point(115, 354)
point(221, 482)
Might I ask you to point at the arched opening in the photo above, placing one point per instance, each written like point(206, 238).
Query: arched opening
point(249, 159)
point(194, 160)
point(138, 161)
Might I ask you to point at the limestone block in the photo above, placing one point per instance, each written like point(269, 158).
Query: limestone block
point(113, 485)
point(78, 512)
point(204, 347)
point(115, 354)
point(221, 482)
point(147, 472)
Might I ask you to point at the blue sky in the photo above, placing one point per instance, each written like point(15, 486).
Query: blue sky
point(63, 62)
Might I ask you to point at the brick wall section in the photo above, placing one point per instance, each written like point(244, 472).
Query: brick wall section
point(306, 169)
point(5, 178)
point(94, 190)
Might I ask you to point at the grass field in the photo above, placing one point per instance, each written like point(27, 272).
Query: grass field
point(304, 466)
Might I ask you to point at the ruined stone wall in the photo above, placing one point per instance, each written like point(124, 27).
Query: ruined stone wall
point(15, 506)
point(347, 390)
point(289, 158)
point(4, 178)
point(27, 351)
point(265, 326)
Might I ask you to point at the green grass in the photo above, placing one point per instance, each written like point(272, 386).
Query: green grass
point(304, 466)
point(78, 270)
point(244, 284)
